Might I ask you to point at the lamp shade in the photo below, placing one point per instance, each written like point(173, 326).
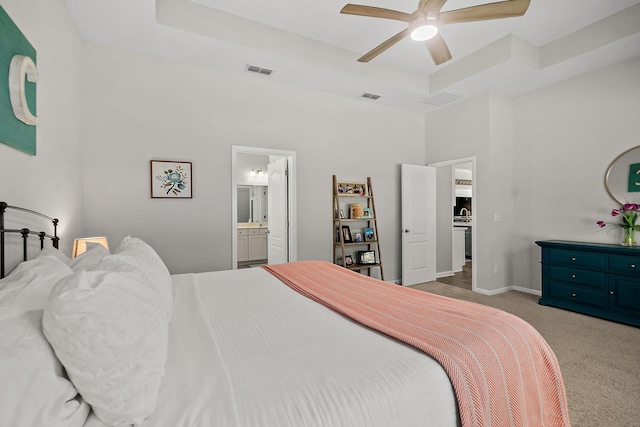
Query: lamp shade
point(80, 245)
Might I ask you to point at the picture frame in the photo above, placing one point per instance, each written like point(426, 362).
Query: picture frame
point(366, 257)
point(346, 234)
point(355, 211)
point(348, 260)
point(171, 179)
point(369, 236)
point(357, 237)
point(341, 213)
point(356, 189)
point(367, 213)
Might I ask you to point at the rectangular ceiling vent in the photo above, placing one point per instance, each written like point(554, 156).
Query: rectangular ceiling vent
point(442, 98)
point(370, 96)
point(463, 181)
point(259, 70)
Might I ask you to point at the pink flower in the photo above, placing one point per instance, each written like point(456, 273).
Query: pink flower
point(601, 223)
point(615, 212)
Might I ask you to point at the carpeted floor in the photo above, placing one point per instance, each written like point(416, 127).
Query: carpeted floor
point(600, 360)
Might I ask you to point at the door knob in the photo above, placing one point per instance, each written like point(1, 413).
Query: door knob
point(406, 230)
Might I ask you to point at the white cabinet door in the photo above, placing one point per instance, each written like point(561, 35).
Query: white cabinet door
point(258, 244)
point(243, 245)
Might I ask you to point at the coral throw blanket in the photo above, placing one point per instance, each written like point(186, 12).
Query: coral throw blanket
point(503, 372)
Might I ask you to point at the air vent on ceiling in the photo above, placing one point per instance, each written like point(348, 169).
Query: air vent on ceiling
point(370, 96)
point(259, 70)
point(463, 181)
point(442, 98)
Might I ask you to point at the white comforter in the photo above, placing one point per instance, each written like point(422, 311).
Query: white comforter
point(246, 350)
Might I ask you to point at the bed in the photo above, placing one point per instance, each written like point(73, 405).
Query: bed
point(112, 339)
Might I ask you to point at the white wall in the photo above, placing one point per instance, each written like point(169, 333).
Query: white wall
point(139, 108)
point(481, 127)
point(50, 182)
point(566, 136)
point(541, 160)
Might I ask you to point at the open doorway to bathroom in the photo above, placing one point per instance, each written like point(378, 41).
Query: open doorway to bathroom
point(263, 206)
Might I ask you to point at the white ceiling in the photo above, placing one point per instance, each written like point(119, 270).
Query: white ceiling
point(310, 44)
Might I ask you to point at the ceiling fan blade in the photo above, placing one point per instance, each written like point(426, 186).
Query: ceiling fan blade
point(438, 49)
point(432, 7)
point(503, 9)
point(384, 46)
point(376, 12)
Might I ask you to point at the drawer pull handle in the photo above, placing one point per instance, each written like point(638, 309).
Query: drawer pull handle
point(610, 292)
point(573, 258)
point(573, 276)
point(574, 295)
point(632, 266)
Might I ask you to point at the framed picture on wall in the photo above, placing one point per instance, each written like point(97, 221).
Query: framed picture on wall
point(171, 179)
point(367, 213)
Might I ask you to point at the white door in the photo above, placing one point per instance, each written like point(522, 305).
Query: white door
point(418, 224)
point(277, 210)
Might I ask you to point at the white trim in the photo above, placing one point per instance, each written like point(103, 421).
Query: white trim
point(509, 288)
point(293, 227)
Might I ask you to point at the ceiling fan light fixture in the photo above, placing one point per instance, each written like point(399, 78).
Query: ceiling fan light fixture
point(424, 31)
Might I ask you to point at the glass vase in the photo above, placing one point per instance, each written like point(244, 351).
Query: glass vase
point(629, 237)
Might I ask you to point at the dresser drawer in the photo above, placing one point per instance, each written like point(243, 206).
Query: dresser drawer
point(242, 232)
point(257, 231)
point(575, 276)
point(577, 259)
point(578, 295)
point(624, 264)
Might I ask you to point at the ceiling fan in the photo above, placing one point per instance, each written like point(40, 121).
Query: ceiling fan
point(425, 20)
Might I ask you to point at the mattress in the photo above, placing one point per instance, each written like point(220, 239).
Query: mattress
point(246, 350)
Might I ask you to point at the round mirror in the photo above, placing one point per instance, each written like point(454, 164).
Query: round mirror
point(622, 179)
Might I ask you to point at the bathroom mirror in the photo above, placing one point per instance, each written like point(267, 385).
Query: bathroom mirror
point(622, 180)
point(252, 203)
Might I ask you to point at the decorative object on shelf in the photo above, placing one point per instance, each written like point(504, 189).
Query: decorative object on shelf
point(368, 235)
point(367, 213)
point(356, 211)
point(357, 237)
point(346, 234)
point(629, 215)
point(352, 189)
point(342, 213)
point(366, 257)
point(348, 260)
point(171, 179)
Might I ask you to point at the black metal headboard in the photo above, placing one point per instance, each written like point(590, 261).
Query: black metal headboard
point(25, 232)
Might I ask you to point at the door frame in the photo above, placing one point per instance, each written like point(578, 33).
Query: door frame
point(291, 196)
point(474, 192)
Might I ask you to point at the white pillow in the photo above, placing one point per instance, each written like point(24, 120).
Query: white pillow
point(33, 388)
point(28, 286)
point(109, 329)
point(90, 259)
point(137, 257)
point(49, 251)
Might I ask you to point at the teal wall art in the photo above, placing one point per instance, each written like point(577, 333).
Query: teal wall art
point(634, 178)
point(18, 78)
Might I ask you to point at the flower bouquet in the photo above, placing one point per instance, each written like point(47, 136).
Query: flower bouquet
point(629, 215)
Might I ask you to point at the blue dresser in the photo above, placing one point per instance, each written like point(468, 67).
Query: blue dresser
point(597, 279)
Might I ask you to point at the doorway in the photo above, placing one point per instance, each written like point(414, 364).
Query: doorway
point(263, 218)
point(456, 197)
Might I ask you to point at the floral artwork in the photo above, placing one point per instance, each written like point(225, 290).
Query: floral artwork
point(170, 179)
point(629, 215)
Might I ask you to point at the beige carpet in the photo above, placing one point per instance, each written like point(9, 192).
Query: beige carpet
point(600, 360)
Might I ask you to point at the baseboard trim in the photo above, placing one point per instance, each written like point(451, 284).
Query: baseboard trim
point(507, 289)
